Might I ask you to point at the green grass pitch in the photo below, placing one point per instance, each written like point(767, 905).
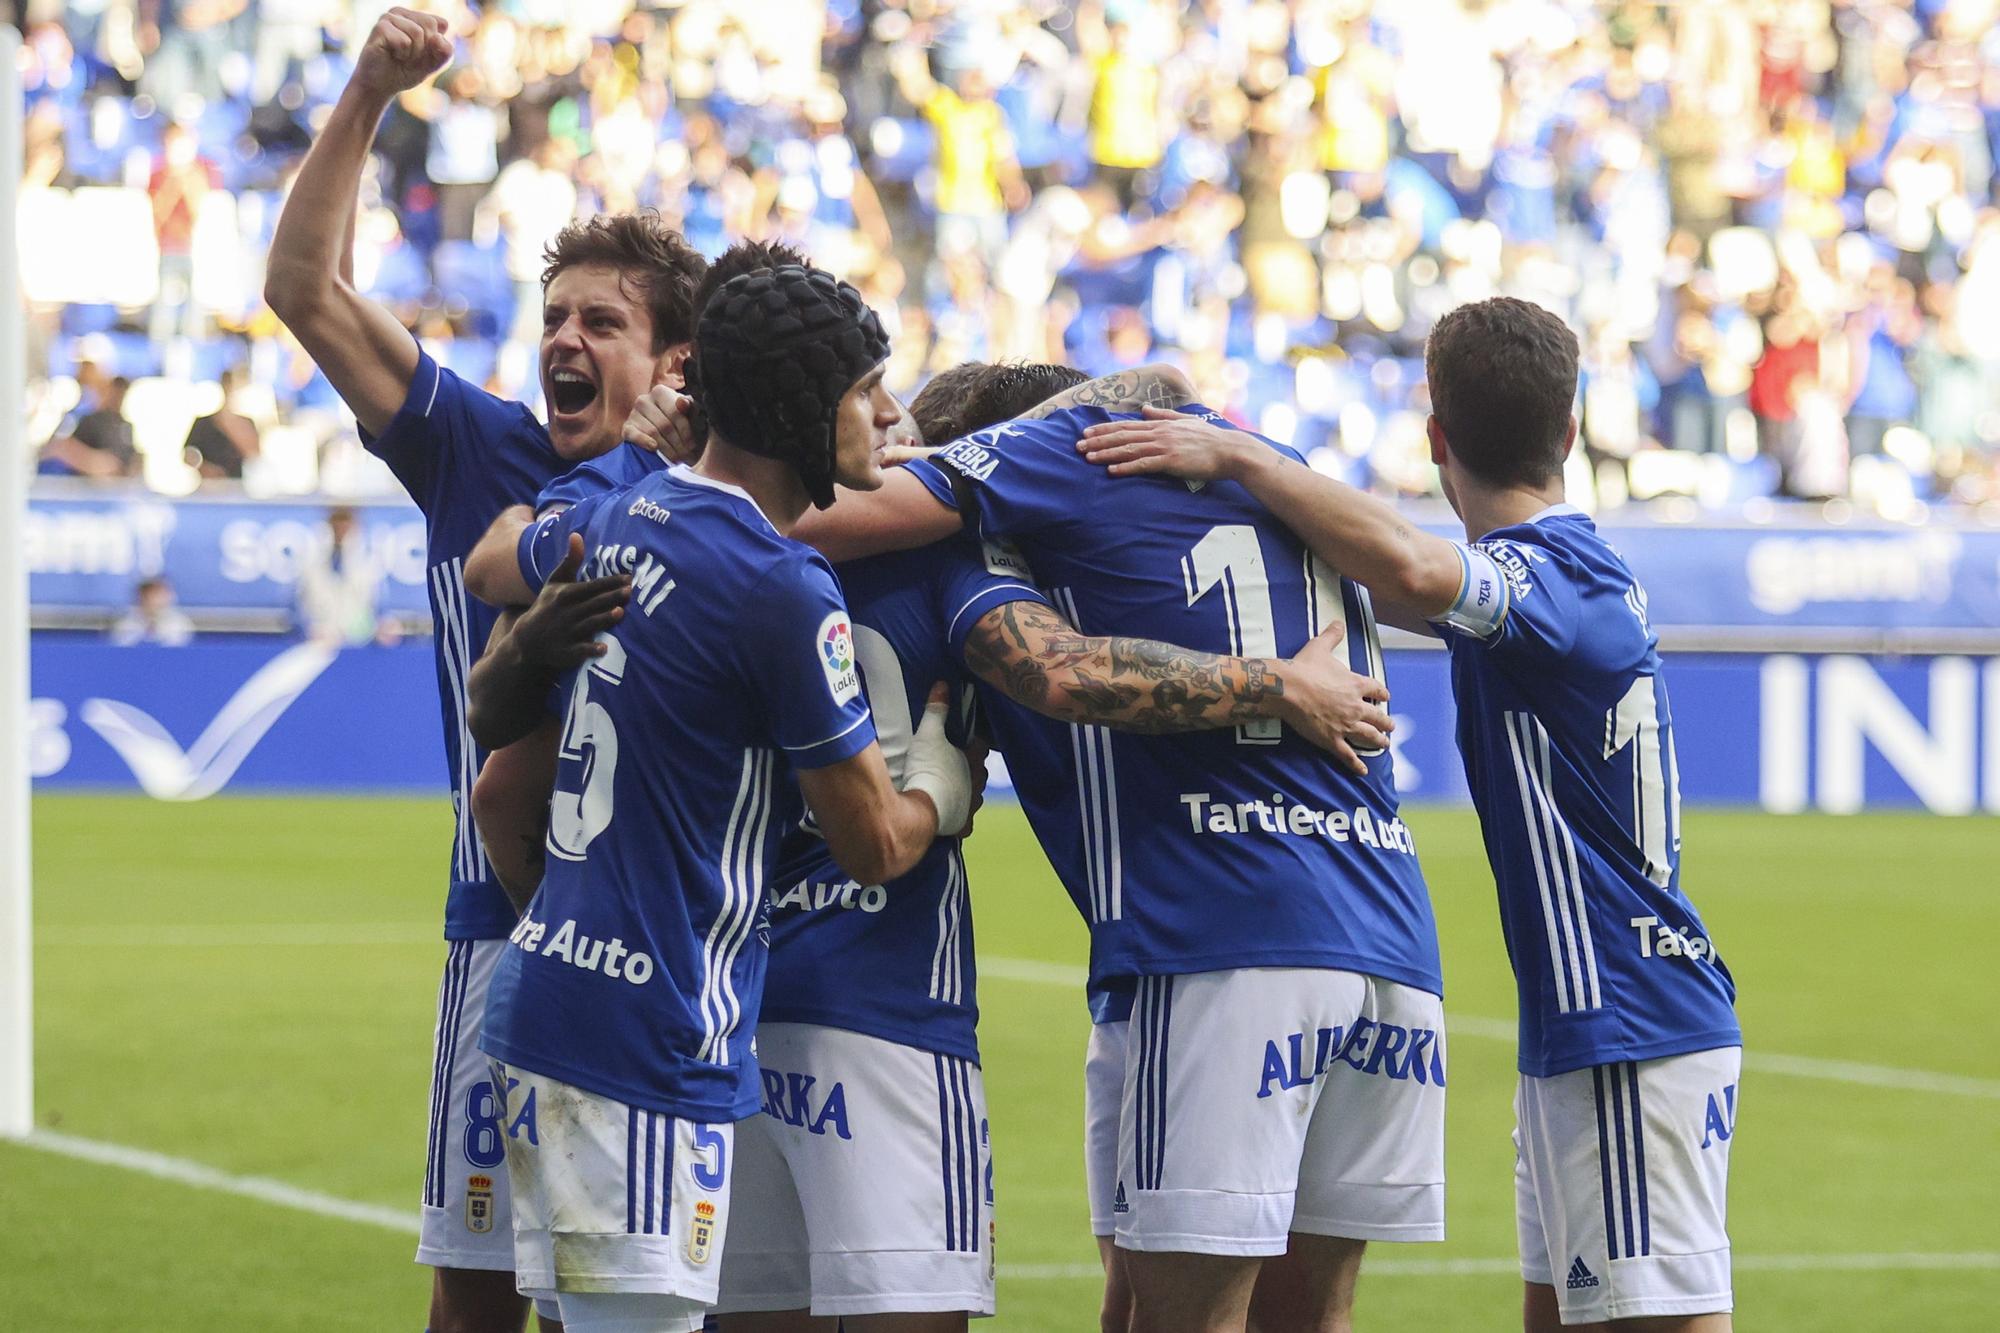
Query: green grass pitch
point(248, 984)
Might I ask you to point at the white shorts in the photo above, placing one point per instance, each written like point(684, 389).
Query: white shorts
point(1103, 1099)
point(466, 1212)
point(1262, 1101)
point(1620, 1185)
point(611, 1198)
point(865, 1186)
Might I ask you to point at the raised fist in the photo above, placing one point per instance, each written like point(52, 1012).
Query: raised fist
point(403, 50)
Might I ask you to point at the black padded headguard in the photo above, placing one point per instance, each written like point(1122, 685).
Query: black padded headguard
point(774, 354)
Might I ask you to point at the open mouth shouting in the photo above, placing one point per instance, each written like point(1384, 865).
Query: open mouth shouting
point(571, 394)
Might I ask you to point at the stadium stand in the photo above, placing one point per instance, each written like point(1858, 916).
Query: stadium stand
point(1773, 225)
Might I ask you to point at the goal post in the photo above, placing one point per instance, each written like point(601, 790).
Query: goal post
point(17, 986)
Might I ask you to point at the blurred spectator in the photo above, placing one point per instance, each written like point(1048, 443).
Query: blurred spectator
point(533, 198)
point(180, 183)
point(220, 443)
point(153, 618)
point(1125, 138)
point(1773, 225)
point(98, 443)
point(185, 43)
point(340, 585)
point(463, 158)
point(977, 176)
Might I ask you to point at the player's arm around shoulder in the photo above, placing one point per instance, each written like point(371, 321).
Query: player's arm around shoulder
point(493, 571)
point(1359, 535)
point(366, 353)
point(1155, 386)
point(562, 628)
point(901, 516)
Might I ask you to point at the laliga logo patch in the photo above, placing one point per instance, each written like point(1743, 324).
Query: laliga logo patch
point(479, 1204)
point(836, 657)
point(1004, 560)
point(701, 1236)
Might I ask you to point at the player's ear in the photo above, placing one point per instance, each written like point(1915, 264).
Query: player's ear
point(1435, 433)
point(1569, 439)
point(670, 368)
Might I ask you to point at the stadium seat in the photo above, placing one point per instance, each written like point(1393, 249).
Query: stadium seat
point(92, 318)
point(474, 277)
point(471, 359)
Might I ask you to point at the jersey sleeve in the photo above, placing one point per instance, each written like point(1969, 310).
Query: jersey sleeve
point(800, 659)
point(540, 547)
point(1514, 596)
point(975, 575)
point(1020, 476)
point(579, 483)
point(439, 416)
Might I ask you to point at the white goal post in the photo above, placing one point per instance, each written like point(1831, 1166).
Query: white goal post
point(17, 984)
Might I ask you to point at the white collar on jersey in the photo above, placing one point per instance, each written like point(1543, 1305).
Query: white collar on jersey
point(683, 473)
point(1557, 511)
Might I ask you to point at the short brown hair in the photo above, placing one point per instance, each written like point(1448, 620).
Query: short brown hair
point(1502, 378)
point(740, 258)
point(647, 253)
point(976, 394)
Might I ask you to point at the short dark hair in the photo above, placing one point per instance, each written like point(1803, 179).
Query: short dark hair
point(740, 258)
point(648, 254)
point(977, 394)
point(1503, 381)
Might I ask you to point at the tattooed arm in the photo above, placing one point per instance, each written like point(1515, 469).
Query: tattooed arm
point(1127, 391)
point(1041, 661)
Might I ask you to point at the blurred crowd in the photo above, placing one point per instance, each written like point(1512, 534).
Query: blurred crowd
point(1773, 223)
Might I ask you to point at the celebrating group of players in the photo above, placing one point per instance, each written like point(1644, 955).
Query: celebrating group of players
point(706, 1037)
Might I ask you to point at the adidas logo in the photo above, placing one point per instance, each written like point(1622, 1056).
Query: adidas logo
point(1118, 1204)
point(1579, 1276)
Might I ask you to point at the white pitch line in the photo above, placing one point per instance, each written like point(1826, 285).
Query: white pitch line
point(179, 1169)
point(277, 1192)
point(1036, 972)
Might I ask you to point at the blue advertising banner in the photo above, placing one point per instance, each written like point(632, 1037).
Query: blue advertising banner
point(86, 551)
point(1787, 732)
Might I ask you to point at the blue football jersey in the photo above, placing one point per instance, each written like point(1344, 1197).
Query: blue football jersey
point(637, 971)
point(463, 455)
point(612, 470)
point(1191, 853)
point(1569, 751)
point(892, 961)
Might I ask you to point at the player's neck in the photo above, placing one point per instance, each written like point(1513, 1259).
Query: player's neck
point(1486, 509)
point(773, 485)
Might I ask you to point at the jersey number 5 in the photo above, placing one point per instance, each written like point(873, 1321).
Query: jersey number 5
point(577, 817)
